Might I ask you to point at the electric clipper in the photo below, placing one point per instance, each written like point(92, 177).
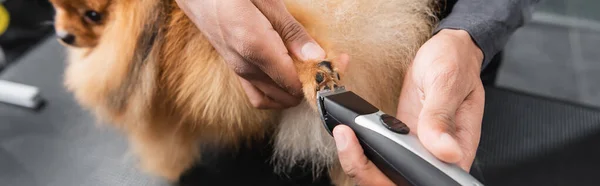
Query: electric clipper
point(387, 142)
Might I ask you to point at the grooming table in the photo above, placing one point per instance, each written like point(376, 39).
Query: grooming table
point(526, 140)
point(25, 23)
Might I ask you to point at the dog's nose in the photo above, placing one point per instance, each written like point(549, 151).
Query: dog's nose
point(69, 39)
point(66, 37)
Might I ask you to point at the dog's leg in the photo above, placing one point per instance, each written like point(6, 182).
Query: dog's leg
point(163, 153)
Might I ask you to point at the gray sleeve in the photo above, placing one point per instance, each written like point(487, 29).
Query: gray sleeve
point(489, 22)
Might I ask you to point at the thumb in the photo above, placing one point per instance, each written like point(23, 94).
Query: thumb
point(436, 125)
point(293, 34)
point(353, 160)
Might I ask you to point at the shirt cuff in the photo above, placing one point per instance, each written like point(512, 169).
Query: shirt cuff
point(485, 34)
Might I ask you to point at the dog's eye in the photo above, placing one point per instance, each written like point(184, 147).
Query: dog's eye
point(93, 16)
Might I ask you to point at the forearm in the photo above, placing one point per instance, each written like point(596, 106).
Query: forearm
point(490, 23)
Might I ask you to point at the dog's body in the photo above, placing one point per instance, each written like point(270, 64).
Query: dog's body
point(154, 75)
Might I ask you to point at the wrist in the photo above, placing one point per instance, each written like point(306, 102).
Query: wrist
point(466, 42)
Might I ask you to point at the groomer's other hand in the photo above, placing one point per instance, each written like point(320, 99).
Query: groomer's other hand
point(256, 38)
point(442, 97)
point(353, 160)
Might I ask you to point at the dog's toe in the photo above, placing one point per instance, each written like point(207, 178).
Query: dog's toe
point(320, 77)
point(327, 78)
point(325, 65)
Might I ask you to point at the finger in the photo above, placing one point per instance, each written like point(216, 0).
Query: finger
point(274, 92)
point(263, 83)
point(409, 105)
point(354, 163)
point(257, 98)
point(251, 35)
point(342, 62)
point(293, 34)
point(469, 118)
point(436, 123)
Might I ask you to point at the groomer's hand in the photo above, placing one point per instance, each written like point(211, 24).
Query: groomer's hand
point(256, 39)
point(442, 97)
point(353, 160)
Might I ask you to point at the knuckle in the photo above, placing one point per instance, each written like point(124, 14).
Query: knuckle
point(257, 103)
point(251, 51)
point(354, 169)
point(352, 172)
point(444, 80)
point(246, 43)
point(448, 74)
point(442, 119)
point(278, 77)
point(247, 49)
point(244, 70)
point(290, 30)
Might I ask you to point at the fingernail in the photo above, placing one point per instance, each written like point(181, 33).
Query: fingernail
point(340, 139)
point(312, 51)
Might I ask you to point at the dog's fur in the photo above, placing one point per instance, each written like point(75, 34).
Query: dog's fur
point(152, 73)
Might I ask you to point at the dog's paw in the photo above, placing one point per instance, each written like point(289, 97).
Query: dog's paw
point(316, 76)
point(326, 77)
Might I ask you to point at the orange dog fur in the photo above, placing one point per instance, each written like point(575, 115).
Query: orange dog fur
point(150, 72)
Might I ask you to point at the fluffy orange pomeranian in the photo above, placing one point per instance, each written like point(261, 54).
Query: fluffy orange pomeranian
point(130, 64)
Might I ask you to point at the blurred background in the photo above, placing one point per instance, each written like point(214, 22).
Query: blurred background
point(558, 53)
point(552, 65)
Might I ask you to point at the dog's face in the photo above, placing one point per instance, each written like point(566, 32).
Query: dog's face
point(80, 23)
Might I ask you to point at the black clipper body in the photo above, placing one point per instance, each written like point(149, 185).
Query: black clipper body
point(387, 142)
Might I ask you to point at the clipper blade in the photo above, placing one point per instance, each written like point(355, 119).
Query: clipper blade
point(327, 92)
point(321, 107)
